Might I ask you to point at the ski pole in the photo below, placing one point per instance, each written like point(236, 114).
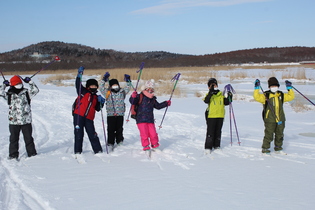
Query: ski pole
point(2, 75)
point(176, 77)
point(139, 76)
point(230, 124)
point(135, 89)
point(303, 96)
point(131, 85)
point(51, 62)
point(104, 128)
point(229, 88)
point(236, 130)
point(77, 127)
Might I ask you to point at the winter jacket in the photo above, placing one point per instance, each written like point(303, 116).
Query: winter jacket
point(115, 102)
point(216, 103)
point(145, 108)
point(273, 110)
point(88, 102)
point(19, 107)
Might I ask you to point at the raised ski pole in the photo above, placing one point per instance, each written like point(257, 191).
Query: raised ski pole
point(77, 127)
point(104, 128)
point(229, 88)
point(135, 89)
point(51, 62)
point(2, 75)
point(175, 78)
point(303, 96)
point(270, 107)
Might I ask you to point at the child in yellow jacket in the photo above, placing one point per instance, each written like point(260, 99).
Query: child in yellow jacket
point(215, 115)
point(273, 113)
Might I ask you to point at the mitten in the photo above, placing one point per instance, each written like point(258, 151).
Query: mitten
point(100, 99)
point(127, 78)
point(288, 84)
point(134, 94)
point(257, 84)
point(106, 76)
point(6, 83)
point(27, 79)
point(81, 70)
point(169, 102)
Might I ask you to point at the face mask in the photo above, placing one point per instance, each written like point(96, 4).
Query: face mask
point(19, 86)
point(93, 90)
point(216, 88)
point(274, 89)
point(115, 87)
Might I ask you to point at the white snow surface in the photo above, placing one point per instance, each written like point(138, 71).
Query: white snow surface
point(181, 176)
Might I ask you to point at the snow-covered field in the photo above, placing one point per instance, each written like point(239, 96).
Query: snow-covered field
point(179, 177)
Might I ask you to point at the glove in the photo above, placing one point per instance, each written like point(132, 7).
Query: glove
point(169, 102)
point(27, 79)
point(81, 70)
point(100, 99)
point(127, 78)
point(6, 83)
point(106, 76)
point(288, 84)
point(134, 94)
point(257, 84)
point(230, 96)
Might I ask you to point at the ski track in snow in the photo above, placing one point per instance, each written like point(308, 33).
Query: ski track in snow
point(15, 193)
point(181, 146)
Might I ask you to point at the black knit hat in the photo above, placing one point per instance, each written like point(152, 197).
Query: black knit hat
point(113, 82)
point(90, 82)
point(272, 81)
point(211, 81)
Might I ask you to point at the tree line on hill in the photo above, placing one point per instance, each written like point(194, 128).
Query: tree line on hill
point(74, 55)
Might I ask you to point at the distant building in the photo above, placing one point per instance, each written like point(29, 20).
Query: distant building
point(38, 55)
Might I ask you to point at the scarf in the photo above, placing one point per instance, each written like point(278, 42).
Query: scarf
point(147, 94)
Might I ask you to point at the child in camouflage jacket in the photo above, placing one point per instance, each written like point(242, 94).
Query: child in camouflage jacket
point(115, 106)
point(20, 116)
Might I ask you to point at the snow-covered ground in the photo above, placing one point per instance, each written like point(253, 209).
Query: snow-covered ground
point(179, 177)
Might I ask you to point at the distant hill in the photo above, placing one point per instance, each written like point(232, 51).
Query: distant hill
point(74, 55)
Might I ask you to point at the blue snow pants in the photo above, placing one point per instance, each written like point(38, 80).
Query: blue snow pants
point(82, 122)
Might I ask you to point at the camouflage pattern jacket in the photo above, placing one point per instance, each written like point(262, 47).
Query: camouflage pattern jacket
point(19, 104)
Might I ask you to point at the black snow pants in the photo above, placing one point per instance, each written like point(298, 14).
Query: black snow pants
point(14, 140)
point(115, 129)
point(214, 131)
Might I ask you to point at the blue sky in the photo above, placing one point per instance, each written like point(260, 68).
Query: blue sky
point(179, 26)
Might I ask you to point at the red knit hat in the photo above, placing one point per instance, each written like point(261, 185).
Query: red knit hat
point(15, 80)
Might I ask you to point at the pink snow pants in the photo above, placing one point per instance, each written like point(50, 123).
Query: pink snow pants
point(148, 135)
